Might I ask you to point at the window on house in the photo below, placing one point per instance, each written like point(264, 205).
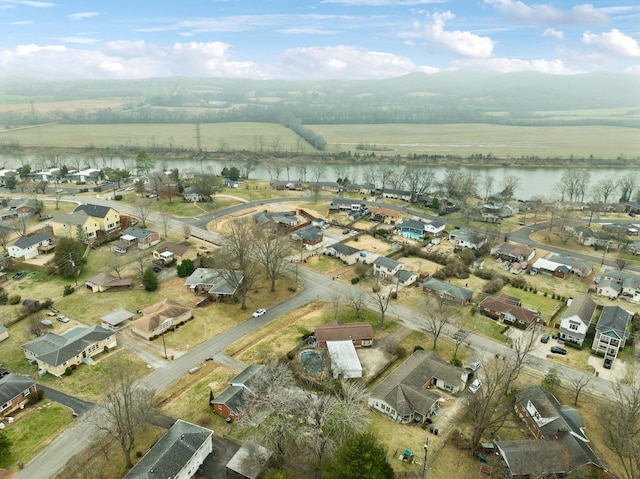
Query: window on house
point(573, 327)
point(93, 348)
point(26, 392)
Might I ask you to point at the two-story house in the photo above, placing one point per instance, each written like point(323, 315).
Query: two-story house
point(108, 219)
point(386, 268)
point(611, 331)
point(576, 319)
point(28, 247)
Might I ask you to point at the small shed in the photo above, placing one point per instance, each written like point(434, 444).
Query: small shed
point(114, 319)
point(249, 462)
point(4, 333)
point(344, 359)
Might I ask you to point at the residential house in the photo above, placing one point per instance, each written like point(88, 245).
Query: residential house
point(106, 282)
point(403, 195)
point(89, 175)
point(230, 403)
point(360, 334)
point(561, 266)
point(386, 216)
point(178, 454)
point(295, 185)
point(108, 219)
point(414, 229)
point(407, 394)
point(21, 207)
point(342, 205)
point(161, 317)
point(4, 333)
point(75, 225)
point(346, 253)
point(385, 268)
point(345, 363)
point(115, 319)
point(635, 248)
point(325, 186)
point(281, 221)
point(405, 277)
point(447, 291)
point(509, 310)
point(311, 236)
point(560, 446)
point(583, 234)
point(169, 253)
point(218, 284)
point(513, 252)
point(495, 212)
point(576, 319)
point(229, 183)
point(28, 247)
point(611, 331)
point(14, 392)
point(629, 282)
point(249, 462)
point(194, 194)
point(632, 207)
point(55, 353)
point(468, 239)
point(609, 288)
point(141, 237)
point(435, 228)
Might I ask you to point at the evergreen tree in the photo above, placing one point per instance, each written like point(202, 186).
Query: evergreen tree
point(150, 280)
point(360, 457)
point(5, 447)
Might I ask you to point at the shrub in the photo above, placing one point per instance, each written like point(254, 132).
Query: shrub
point(68, 289)
point(117, 197)
point(394, 295)
point(15, 299)
point(185, 268)
point(493, 286)
point(355, 280)
point(68, 372)
point(484, 274)
point(456, 362)
point(418, 348)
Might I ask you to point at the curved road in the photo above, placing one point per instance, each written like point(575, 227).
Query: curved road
point(77, 437)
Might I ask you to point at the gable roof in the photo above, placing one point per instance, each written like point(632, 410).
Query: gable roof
point(178, 249)
point(343, 249)
point(447, 289)
point(26, 241)
point(336, 331)
point(12, 385)
point(95, 211)
point(613, 322)
point(140, 233)
point(172, 452)
point(158, 313)
point(105, 279)
point(215, 279)
point(233, 396)
point(250, 460)
point(413, 224)
point(581, 307)
point(387, 263)
point(504, 305)
point(75, 218)
point(56, 349)
point(437, 223)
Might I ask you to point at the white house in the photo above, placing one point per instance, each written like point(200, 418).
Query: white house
point(468, 239)
point(611, 331)
point(576, 319)
point(386, 268)
point(27, 246)
point(435, 228)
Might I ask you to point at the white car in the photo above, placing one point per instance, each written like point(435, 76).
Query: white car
point(259, 312)
point(474, 386)
point(63, 319)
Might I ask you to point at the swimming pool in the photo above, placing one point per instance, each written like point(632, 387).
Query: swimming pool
point(311, 362)
point(411, 235)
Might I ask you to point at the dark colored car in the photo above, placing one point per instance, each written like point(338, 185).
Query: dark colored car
point(345, 231)
point(19, 274)
point(608, 362)
point(157, 269)
point(558, 350)
point(544, 338)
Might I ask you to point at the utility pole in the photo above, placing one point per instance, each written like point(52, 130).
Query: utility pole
point(426, 450)
point(165, 346)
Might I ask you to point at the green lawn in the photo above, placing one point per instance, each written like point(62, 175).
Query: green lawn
point(34, 428)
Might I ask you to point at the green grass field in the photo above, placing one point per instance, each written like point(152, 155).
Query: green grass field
point(395, 139)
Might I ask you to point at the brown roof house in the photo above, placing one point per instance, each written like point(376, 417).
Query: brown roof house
point(386, 216)
point(104, 282)
point(360, 334)
point(407, 394)
point(509, 310)
point(230, 403)
point(576, 319)
point(170, 252)
point(161, 317)
point(14, 392)
point(560, 446)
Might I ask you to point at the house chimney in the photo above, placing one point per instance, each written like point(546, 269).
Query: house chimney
point(561, 432)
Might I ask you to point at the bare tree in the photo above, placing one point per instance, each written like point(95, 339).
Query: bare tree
point(620, 427)
point(4, 237)
point(19, 225)
point(381, 299)
point(578, 383)
point(166, 222)
point(626, 185)
point(419, 181)
point(186, 231)
point(606, 188)
point(272, 250)
point(622, 263)
point(336, 299)
point(438, 312)
point(143, 211)
point(116, 264)
point(208, 184)
point(509, 186)
point(490, 406)
point(142, 260)
point(58, 197)
point(126, 406)
point(570, 184)
point(357, 300)
point(35, 326)
point(487, 185)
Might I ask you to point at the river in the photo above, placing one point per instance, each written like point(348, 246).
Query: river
point(533, 181)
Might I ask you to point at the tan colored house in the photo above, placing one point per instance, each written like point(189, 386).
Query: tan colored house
point(169, 252)
point(386, 216)
point(108, 219)
point(55, 353)
point(160, 317)
point(67, 225)
point(103, 282)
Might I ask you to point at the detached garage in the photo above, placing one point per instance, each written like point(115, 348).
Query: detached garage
point(344, 359)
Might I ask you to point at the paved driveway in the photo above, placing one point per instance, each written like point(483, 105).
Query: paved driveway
point(77, 406)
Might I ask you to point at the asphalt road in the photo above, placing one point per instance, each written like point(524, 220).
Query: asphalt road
point(76, 438)
point(78, 406)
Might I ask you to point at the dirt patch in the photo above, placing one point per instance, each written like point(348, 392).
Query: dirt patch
point(369, 243)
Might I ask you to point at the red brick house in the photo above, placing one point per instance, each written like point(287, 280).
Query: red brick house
point(14, 392)
point(360, 334)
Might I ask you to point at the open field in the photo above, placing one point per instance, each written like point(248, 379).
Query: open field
point(68, 105)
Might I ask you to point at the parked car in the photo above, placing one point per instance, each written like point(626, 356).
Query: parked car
point(473, 367)
point(53, 310)
point(544, 338)
point(47, 323)
point(19, 274)
point(259, 312)
point(608, 362)
point(474, 386)
point(354, 233)
point(558, 350)
point(345, 231)
point(63, 319)
point(157, 269)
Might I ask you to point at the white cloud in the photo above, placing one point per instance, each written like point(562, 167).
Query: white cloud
point(345, 63)
point(26, 3)
point(21, 22)
point(307, 31)
point(383, 3)
point(82, 15)
point(83, 40)
point(613, 42)
point(462, 43)
point(518, 11)
point(509, 65)
point(553, 33)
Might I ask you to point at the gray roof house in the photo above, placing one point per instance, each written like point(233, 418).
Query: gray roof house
point(384, 267)
point(28, 246)
point(14, 392)
point(216, 282)
point(560, 446)
point(230, 402)
point(249, 461)
point(576, 319)
point(178, 454)
point(346, 253)
point(407, 394)
point(447, 291)
point(468, 239)
point(611, 331)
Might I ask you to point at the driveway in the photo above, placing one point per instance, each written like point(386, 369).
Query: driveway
point(78, 406)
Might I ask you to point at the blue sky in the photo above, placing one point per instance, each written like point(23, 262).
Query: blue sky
point(314, 39)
